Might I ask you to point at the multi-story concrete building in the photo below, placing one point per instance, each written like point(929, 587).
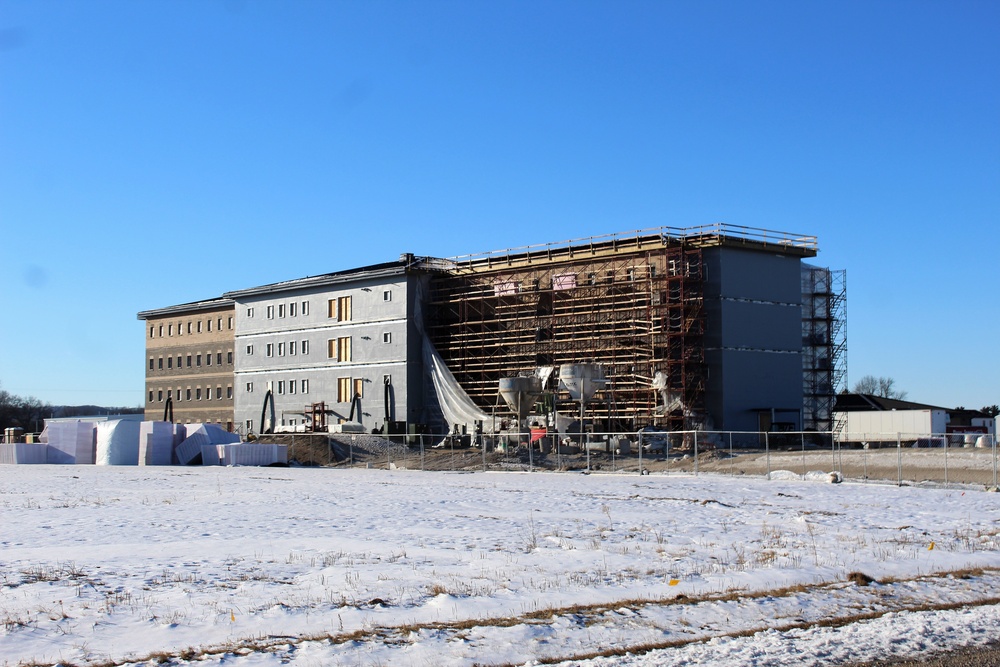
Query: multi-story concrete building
point(189, 362)
point(696, 328)
point(332, 348)
point(706, 328)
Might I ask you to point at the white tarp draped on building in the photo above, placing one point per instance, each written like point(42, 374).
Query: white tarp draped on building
point(456, 406)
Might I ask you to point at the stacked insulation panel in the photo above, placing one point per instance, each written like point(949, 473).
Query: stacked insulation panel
point(72, 442)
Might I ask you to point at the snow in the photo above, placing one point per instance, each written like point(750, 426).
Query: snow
point(312, 566)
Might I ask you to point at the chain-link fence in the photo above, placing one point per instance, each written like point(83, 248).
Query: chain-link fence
point(948, 459)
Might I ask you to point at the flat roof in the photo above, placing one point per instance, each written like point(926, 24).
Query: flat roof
point(719, 234)
point(193, 307)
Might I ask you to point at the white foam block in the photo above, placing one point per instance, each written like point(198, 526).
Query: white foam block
point(254, 454)
point(156, 443)
point(23, 452)
point(117, 443)
point(72, 442)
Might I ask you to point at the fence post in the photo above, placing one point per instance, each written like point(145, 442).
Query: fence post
point(731, 472)
point(994, 461)
point(899, 459)
point(767, 453)
point(802, 438)
point(946, 460)
point(531, 456)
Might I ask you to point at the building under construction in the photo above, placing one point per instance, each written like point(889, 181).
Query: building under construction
point(695, 328)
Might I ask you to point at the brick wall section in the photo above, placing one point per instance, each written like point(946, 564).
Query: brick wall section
point(190, 354)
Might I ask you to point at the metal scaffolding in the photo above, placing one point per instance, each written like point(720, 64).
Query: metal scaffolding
point(633, 304)
point(824, 344)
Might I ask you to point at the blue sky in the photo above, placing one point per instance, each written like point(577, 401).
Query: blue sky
point(155, 153)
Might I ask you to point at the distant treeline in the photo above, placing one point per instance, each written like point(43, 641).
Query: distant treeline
point(30, 413)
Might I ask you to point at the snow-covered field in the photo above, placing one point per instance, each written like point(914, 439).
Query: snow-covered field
point(304, 566)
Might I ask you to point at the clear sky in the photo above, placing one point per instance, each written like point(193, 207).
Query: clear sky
point(157, 152)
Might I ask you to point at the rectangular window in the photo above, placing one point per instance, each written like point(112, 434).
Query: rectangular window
point(219, 325)
point(159, 363)
point(197, 360)
point(179, 360)
point(359, 387)
point(344, 309)
point(230, 322)
point(180, 328)
point(159, 395)
point(305, 347)
point(344, 348)
point(151, 363)
point(209, 323)
point(160, 332)
point(249, 312)
point(291, 309)
point(170, 362)
point(305, 386)
point(229, 392)
point(150, 395)
point(170, 394)
point(249, 350)
point(199, 326)
point(331, 349)
point(281, 310)
point(208, 359)
point(178, 393)
point(331, 308)
point(150, 335)
point(270, 312)
point(387, 337)
point(343, 390)
point(170, 329)
point(249, 387)
point(291, 386)
point(218, 358)
point(189, 361)
point(187, 394)
point(281, 349)
point(197, 393)
point(249, 426)
point(229, 357)
point(387, 295)
point(218, 393)
point(208, 393)
point(305, 307)
point(269, 350)
point(281, 387)
point(189, 327)
point(291, 348)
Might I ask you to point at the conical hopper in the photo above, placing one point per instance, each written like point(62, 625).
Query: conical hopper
point(582, 381)
point(520, 393)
